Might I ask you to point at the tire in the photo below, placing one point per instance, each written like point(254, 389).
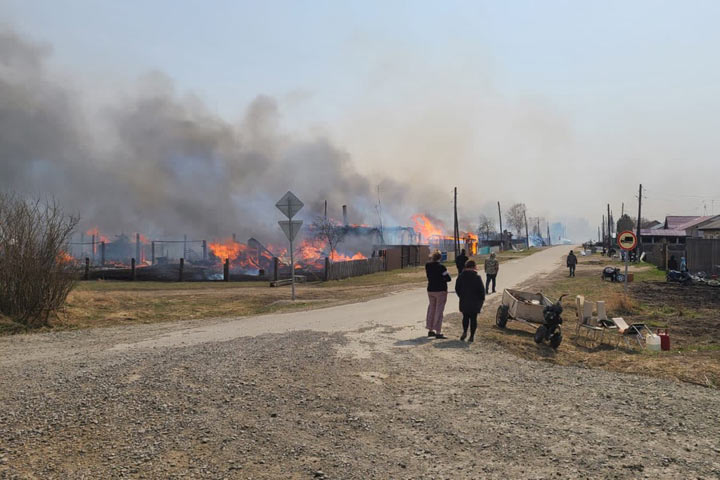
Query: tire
point(620, 277)
point(501, 317)
point(540, 334)
point(555, 340)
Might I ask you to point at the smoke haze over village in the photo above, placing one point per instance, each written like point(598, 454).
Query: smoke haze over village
point(204, 141)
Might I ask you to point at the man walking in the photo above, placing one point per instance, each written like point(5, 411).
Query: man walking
point(460, 261)
point(492, 267)
point(571, 262)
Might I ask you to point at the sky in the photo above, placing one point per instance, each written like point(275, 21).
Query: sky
point(562, 105)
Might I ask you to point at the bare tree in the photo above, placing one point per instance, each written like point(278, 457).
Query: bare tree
point(329, 231)
point(486, 225)
point(36, 274)
point(516, 218)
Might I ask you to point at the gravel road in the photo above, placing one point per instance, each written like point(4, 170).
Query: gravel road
point(350, 392)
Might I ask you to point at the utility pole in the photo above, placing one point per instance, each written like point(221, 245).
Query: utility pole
point(538, 227)
point(622, 210)
point(609, 230)
point(638, 249)
point(380, 220)
point(325, 209)
point(604, 224)
point(527, 236)
point(548, 233)
point(456, 232)
point(502, 236)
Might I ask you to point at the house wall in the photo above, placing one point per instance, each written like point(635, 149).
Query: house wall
point(655, 253)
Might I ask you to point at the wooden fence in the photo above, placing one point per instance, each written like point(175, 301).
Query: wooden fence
point(353, 268)
point(703, 255)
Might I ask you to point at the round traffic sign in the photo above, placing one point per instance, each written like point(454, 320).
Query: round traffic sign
point(627, 240)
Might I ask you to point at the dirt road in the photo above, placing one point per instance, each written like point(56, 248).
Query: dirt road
point(356, 391)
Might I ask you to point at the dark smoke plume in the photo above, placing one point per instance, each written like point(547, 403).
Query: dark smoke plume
point(163, 164)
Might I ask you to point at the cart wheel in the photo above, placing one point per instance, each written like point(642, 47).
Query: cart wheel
point(555, 340)
point(501, 317)
point(540, 333)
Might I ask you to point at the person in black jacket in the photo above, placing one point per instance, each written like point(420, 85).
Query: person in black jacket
point(571, 262)
point(438, 278)
point(460, 261)
point(469, 287)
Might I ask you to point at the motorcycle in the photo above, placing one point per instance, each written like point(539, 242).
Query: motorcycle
point(550, 330)
point(677, 276)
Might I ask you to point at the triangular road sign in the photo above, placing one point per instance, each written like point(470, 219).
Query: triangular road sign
point(289, 205)
point(290, 228)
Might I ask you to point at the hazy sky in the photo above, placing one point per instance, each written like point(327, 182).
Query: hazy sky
point(563, 105)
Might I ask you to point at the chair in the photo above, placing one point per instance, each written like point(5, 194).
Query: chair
point(586, 323)
point(636, 331)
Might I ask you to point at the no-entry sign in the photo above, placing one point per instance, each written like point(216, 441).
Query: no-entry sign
point(627, 240)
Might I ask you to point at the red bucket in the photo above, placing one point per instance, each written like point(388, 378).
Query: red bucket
point(664, 339)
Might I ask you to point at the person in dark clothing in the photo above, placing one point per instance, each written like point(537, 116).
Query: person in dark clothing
point(672, 263)
point(571, 262)
point(469, 287)
point(438, 278)
point(460, 261)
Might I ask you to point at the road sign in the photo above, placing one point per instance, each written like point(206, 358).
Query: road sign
point(289, 205)
point(627, 240)
point(290, 228)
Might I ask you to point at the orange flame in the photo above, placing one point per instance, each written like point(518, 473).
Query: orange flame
point(226, 249)
point(64, 258)
point(99, 237)
point(427, 227)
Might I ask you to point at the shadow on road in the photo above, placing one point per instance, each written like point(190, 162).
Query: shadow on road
point(413, 342)
point(451, 344)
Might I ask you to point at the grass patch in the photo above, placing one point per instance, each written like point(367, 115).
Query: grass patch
point(690, 314)
point(103, 303)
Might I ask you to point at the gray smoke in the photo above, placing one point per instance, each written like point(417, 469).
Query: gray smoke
point(163, 164)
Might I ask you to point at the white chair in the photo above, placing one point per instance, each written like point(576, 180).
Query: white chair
point(586, 323)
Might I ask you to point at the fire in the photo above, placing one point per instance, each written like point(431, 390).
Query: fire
point(99, 237)
point(427, 227)
point(312, 253)
point(64, 258)
point(226, 249)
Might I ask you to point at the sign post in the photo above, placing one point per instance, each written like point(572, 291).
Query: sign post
point(289, 205)
point(627, 241)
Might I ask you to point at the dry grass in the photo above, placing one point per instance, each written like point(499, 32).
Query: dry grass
point(621, 304)
point(695, 354)
point(108, 303)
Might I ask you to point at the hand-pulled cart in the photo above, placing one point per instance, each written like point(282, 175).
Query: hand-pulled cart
point(532, 308)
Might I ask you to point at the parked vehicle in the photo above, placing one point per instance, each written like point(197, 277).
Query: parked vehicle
point(613, 274)
point(532, 308)
point(680, 277)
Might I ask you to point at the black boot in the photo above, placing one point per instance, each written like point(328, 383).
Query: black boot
point(462, 337)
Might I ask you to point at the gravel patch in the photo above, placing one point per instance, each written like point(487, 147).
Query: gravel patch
point(294, 406)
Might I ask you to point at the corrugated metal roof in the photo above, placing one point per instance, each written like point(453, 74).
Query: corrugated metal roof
point(712, 225)
point(661, 232)
point(674, 222)
point(694, 222)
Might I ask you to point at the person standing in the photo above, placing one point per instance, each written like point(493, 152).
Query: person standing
point(672, 263)
point(469, 287)
point(438, 278)
point(492, 267)
point(460, 261)
point(571, 262)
